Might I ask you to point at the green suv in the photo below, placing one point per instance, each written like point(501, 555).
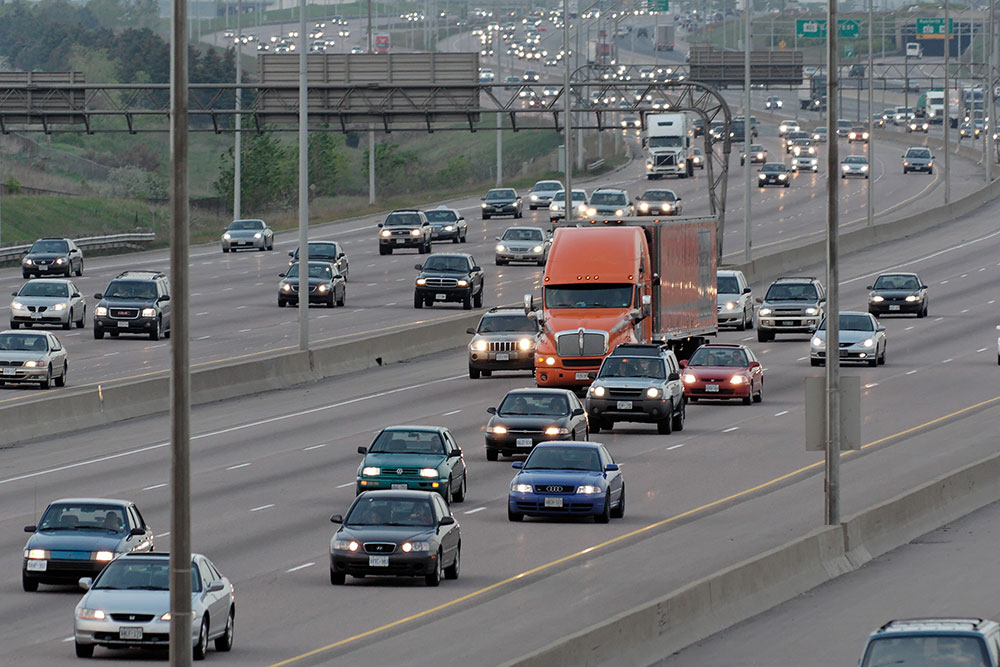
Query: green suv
point(425, 458)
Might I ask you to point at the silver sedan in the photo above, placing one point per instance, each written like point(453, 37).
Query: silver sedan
point(659, 202)
point(249, 235)
point(50, 301)
point(862, 339)
point(32, 356)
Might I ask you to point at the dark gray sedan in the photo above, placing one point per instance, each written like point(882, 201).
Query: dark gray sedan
point(501, 201)
point(900, 293)
point(396, 533)
point(326, 286)
point(527, 417)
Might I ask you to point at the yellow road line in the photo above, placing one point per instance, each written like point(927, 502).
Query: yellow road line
point(638, 531)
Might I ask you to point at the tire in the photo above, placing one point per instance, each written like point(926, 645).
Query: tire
point(787, 184)
point(79, 272)
point(477, 300)
point(47, 382)
point(451, 572)
point(619, 512)
point(815, 362)
point(337, 578)
point(467, 302)
point(224, 643)
point(282, 303)
point(595, 426)
point(25, 275)
point(764, 336)
point(459, 496)
point(342, 299)
point(200, 649)
point(456, 240)
point(61, 380)
point(881, 360)
point(759, 396)
point(514, 516)
point(501, 262)
point(262, 247)
point(68, 323)
point(82, 321)
point(742, 326)
point(473, 373)
point(930, 172)
point(155, 333)
point(748, 399)
point(435, 577)
point(28, 584)
point(382, 250)
point(605, 516)
point(464, 237)
point(84, 650)
point(331, 302)
point(665, 426)
point(873, 362)
point(225, 250)
point(922, 312)
point(421, 249)
point(679, 418)
point(427, 247)
point(418, 301)
point(492, 454)
point(905, 170)
point(98, 333)
point(15, 325)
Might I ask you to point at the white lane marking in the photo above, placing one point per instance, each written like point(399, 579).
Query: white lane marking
point(262, 507)
point(747, 338)
point(357, 310)
point(199, 293)
point(871, 384)
point(240, 307)
point(110, 354)
point(241, 427)
point(244, 330)
point(153, 347)
point(991, 301)
point(963, 275)
point(155, 486)
point(344, 486)
point(911, 372)
point(801, 358)
point(393, 303)
point(944, 282)
point(307, 449)
point(983, 269)
point(946, 361)
point(783, 412)
point(730, 429)
point(68, 639)
point(166, 534)
point(399, 280)
point(675, 446)
point(238, 466)
point(982, 349)
point(478, 509)
point(453, 412)
point(300, 567)
point(322, 317)
point(203, 338)
point(371, 284)
point(908, 328)
point(938, 319)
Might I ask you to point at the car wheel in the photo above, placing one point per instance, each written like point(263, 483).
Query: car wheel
point(337, 578)
point(492, 454)
point(28, 584)
point(815, 362)
point(456, 240)
point(418, 301)
point(605, 516)
point(157, 330)
point(114, 334)
point(501, 262)
point(759, 396)
point(477, 300)
point(61, 380)
point(84, 650)
point(421, 249)
point(15, 325)
point(742, 326)
point(905, 170)
point(331, 302)
point(514, 516)
point(225, 249)
point(342, 299)
point(467, 302)
point(25, 275)
point(83, 316)
point(435, 577)
point(225, 642)
point(764, 336)
point(665, 425)
point(464, 237)
point(382, 250)
point(451, 572)
point(47, 382)
point(473, 373)
point(930, 172)
point(459, 496)
point(485, 217)
point(79, 271)
point(595, 426)
point(680, 417)
point(922, 312)
point(200, 649)
point(748, 398)
point(98, 333)
point(881, 360)
point(619, 512)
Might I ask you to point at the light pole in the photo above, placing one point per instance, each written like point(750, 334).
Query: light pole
point(303, 181)
point(568, 121)
point(947, 115)
point(871, 123)
point(832, 505)
point(238, 148)
point(747, 162)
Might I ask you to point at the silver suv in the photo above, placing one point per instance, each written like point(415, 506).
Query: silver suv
point(504, 341)
point(918, 158)
point(405, 228)
point(610, 203)
point(791, 305)
point(934, 641)
point(735, 300)
point(638, 382)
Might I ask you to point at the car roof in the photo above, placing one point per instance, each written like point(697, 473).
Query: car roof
point(396, 493)
point(505, 310)
point(726, 346)
point(639, 350)
point(409, 427)
point(451, 254)
point(47, 280)
point(577, 444)
point(106, 501)
point(30, 333)
point(922, 625)
point(550, 391)
point(727, 272)
point(534, 229)
point(896, 273)
point(797, 279)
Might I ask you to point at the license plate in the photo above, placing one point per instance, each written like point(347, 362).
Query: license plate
point(788, 323)
point(378, 561)
point(10, 371)
point(43, 268)
point(624, 405)
point(398, 485)
point(583, 376)
point(440, 297)
point(553, 502)
point(400, 240)
point(503, 356)
point(523, 442)
point(130, 633)
point(37, 565)
point(123, 325)
point(38, 316)
point(893, 307)
point(712, 388)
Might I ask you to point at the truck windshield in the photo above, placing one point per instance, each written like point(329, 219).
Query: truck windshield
point(588, 296)
point(666, 142)
point(925, 650)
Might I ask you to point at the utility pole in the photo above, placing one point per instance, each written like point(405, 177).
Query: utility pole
point(747, 162)
point(238, 149)
point(832, 276)
point(947, 114)
point(497, 45)
point(303, 181)
point(991, 91)
point(871, 123)
point(568, 121)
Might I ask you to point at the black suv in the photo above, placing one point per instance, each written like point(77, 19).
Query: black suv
point(47, 257)
point(404, 228)
point(449, 277)
point(135, 302)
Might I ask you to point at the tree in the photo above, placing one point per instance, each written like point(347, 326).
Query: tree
point(269, 173)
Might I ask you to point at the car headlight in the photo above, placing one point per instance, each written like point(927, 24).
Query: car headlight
point(385, 232)
point(761, 177)
point(371, 471)
point(878, 299)
point(37, 554)
point(149, 312)
point(104, 556)
point(428, 472)
point(415, 232)
point(166, 616)
point(782, 177)
point(582, 208)
point(867, 342)
point(421, 281)
point(591, 212)
point(285, 287)
point(737, 379)
point(227, 236)
point(760, 156)
point(598, 391)
point(905, 163)
point(845, 167)
point(17, 305)
point(59, 306)
point(913, 297)
point(619, 212)
point(91, 614)
point(814, 161)
point(463, 283)
point(730, 305)
point(690, 378)
point(28, 261)
point(101, 311)
point(258, 235)
point(346, 545)
point(796, 150)
point(485, 205)
point(61, 260)
point(480, 345)
point(589, 489)
point(520, 488)
point(497, 429)
point(449, 228)
point(321, 289)
point(415, 546)
point(643, 206)
point(865, 135)
point(653, 392)
point(764, 312)
point(537, 250)
point(525, 344)
point(34, 363)
point(818, 342)
point(550, 361)
point(534, 197)
point(864, 167)
point(556, 430)
point(812, 311)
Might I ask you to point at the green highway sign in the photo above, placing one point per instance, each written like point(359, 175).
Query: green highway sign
point(848, 51)
point(933, 28)
point(846, 28)
point(849, 28)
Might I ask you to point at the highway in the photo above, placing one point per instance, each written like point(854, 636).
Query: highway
point(736, 482)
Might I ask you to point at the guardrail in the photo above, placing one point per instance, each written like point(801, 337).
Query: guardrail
point(132, 240)
point(595, 165)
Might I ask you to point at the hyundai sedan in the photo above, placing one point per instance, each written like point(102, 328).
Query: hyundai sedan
point(51, 301)
point(862, 339)
point(561, 479)
point(527, 417)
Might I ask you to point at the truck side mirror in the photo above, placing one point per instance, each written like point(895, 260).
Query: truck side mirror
point(529, 303)
point(746, 290)
point(647, 305)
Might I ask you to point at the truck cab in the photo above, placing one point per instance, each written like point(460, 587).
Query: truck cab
point(668, 146)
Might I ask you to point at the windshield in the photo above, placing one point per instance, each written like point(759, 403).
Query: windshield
point(544, 405)
point(84, 516)
point(320, 250)
point(897, 282)
point(141, 575)
point(563, 458)
point(727, 285)
point(773, 168)
point(246, 225)
point(130, 289)
point(665, 142)
point(416, 512)
point(858, 322)
point(588, 296)
point(633, 367)
point(547, 186)
point(44, 289)
point(855, 159)
point(578, 195)
point(443, 263)
point(441, 216)
point(715, 356)
point(791, 292)
point(49, 246)
point(507, 324)
point(402, 220)
point(494, 195)
point(315, 271)
point(522, 234)
point(844, 123)
point(919, 152)
point(659, 195)
point(926, 651)
point(12, 342)
point(612, 198)
point(396, 441)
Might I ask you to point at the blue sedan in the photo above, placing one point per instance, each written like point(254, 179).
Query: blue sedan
point(567, 479)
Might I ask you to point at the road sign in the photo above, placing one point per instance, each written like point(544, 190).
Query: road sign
point(661, 5)
point(849, 28)
point(782, 44)
point(810, 28)
point(848, 51)
point(933, 28)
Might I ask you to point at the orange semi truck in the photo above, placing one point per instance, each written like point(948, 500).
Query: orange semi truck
point(623, 282)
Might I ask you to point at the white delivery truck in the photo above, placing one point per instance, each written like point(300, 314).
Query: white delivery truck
point(667, 141)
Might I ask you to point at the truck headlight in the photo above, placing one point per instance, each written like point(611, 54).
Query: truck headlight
point(101, 311)
point(480, 345)
point(598, 391)
point(415, 232)
point(812, 311)
point(285, 287)
point(463, 283)
point(428, 472)
point(385, 233)
point(764, 312)
point(421, 281)
point(653, 392)
point(371, 471)
point(28, 261)
point(149, 312)
point(550, 361)
point(525, 344)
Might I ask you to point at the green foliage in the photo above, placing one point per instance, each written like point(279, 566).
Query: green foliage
point(135, 183)
point(269, 174)
point(28, 217)
point(12, 186)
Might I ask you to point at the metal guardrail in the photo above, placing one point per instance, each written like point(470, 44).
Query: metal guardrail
point(133, 240)
point(595, 165)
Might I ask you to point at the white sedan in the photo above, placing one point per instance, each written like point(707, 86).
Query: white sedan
point(862, 339)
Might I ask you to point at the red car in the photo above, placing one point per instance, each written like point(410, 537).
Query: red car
point(723, 372)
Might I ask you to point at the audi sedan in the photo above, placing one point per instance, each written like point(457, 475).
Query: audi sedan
point(326, 286)
point(396, 533)
point(862, 339)
point(718, 371)
point(526, 417)
point(248, 235)
point(658, 202)
point(562, 479)
point(897, 293)
point(50, 301)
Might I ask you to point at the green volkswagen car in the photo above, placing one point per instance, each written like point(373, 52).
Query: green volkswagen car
point(426, 458)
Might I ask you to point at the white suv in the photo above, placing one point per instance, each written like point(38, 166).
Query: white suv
point(735, 300)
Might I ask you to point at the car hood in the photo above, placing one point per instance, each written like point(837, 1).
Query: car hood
point(442, 223)
point(41, 300)
point(312, 281)
point(610, 207)
point(519, 246)
point(626, 382)
point(22, 355)
point(529, 422)
point(543, 477)
point(722, 299)
point(393, 460)
point(112, 601)
point(789, 304)
point(895, 293)
point(127, 303)
point(385, 533)
point(849, 335)
point(457, 275)
point(70, 540)
point(243, 233)
point(499, 202)
point(46, 255)
point(715, 370)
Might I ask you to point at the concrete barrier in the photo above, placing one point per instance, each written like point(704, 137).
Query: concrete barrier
point(658, 628)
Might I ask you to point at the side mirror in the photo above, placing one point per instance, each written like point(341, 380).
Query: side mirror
point(674, 376)
point(656, 279)
point(455, 453)
point(137, 531)
point(869, 287)
point(482, 199)
point(98, 296)
point(215, 586)
point(281, 275)
point(362, 450)
point(337, 518)
point(13, 293)
point(447, 521)
point(881, 328)
point(470, 330)
point(517, 464)
point(754, 364)
point(924, 287)
point(292, 253)
point(647, 305)
point(683, 363)
point(31, 529)
point(418, 267)
point(577, 412)
point(611, 467)
point(165, 297)
point(491, 410)
point(822, 299)
point(679, 199)
point(85, 583)
point(498, 238)
point(759, 300)
point(529, 303)
point(592, 375)
point(379, 224)
point(746, 290)
point(477, 268)
point(76, 295)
